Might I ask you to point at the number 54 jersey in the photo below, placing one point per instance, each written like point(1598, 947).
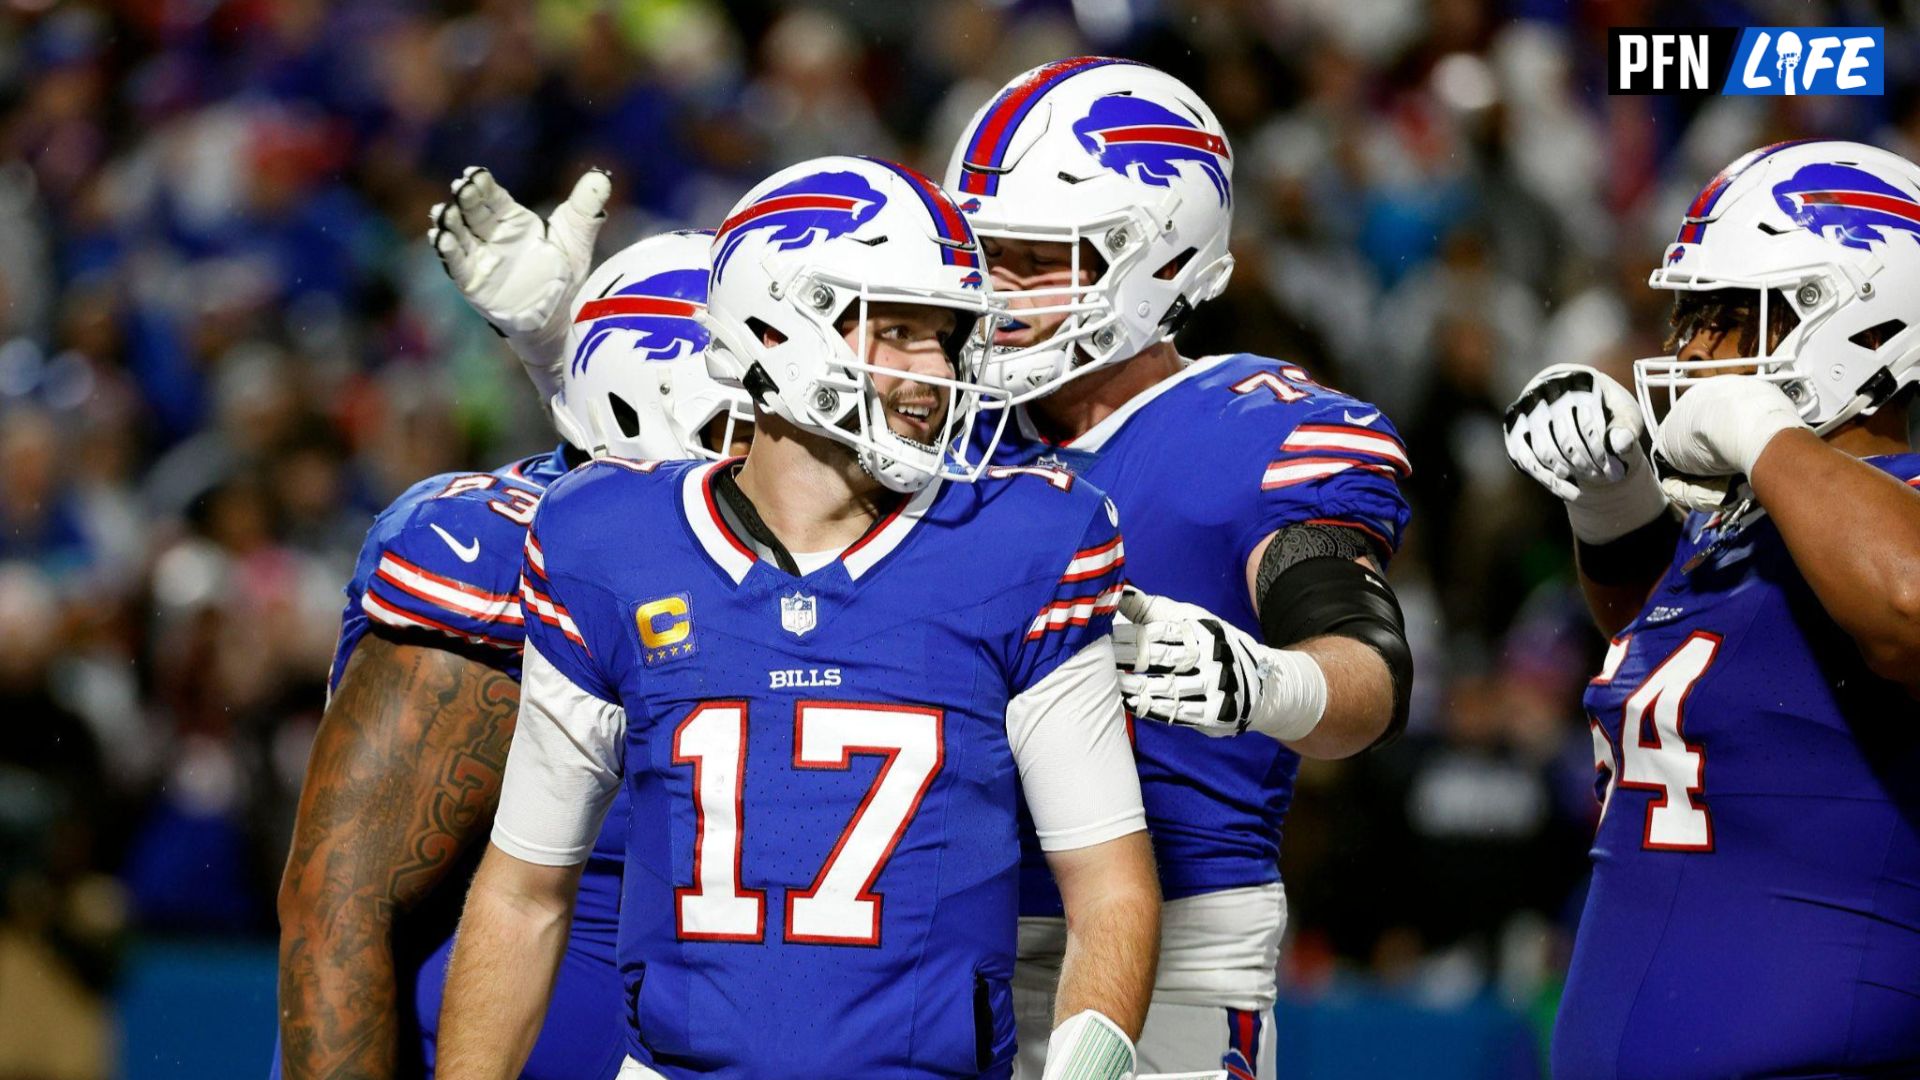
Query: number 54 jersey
point(1755, 906)
point(823, 769)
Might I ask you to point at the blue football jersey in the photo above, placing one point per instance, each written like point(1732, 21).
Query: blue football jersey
point(1205, 466)
point(1755, 906)
point(443, 562)
point(822, 871)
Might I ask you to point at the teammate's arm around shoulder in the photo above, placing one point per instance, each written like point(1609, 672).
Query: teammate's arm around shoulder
point(1330, 673)
point(403, 775)
point(562, 773)
point(1333, 677)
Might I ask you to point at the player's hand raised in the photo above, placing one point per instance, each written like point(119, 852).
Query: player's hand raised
point(1716, 430)
point(1579, 434)
point(1181, 665)
point(518, 271)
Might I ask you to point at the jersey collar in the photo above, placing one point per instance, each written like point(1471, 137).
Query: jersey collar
point(541, 469)
point(735, 558)
point(1095, 438)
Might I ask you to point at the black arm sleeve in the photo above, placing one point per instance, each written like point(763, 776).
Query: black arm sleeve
point(1309, 585)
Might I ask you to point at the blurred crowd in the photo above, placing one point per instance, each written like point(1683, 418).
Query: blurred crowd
point(224, 345)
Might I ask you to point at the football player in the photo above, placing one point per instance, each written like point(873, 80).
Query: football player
point(825, 675)
point(1261, 510)
point(406, 766)
point(1754, 909)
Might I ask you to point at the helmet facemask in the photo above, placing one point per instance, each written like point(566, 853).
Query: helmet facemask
point(1097, 330)
point(843, 402)
point(1091, 335)
point(1771, 355)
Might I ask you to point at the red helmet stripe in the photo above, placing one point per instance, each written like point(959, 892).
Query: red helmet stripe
point(989, 143)
point(787, 202)
point(635, 305)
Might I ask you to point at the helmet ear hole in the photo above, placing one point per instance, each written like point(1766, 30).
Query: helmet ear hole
point(625, 416)
point(767, 334)
point(1879, 334)
point(1175, 265)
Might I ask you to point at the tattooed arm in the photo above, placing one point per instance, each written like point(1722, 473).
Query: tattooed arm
point(405, 774)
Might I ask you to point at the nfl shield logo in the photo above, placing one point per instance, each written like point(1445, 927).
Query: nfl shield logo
point(798, 614)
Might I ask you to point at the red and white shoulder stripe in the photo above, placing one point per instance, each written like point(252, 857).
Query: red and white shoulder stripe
point(457, 597)
point(1080, 611)
point(1349, 441)
point(382, 612)
point(549, 612)
point(1095, 561)
point(1281, 474)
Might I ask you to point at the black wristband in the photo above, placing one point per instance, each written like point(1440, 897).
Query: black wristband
point(1633, 559)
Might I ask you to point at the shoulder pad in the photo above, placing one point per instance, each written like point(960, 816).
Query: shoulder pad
point(446, 558)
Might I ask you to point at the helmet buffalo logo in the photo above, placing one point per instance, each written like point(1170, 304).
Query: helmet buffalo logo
point(659, 309)
point(817, 207)
point(1827, 197)
point(972, 280)
point(1676, 253)
point(971, 206)
point(1147, 142)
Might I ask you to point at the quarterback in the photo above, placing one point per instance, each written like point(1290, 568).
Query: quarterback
point(825, 676)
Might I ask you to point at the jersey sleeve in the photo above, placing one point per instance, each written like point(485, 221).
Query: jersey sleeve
point(555, 606)
point(563, 768)
point(1339, 464)
point(445, 568)
point(1075, 606)
point(1069, 741)
point(566, 760)
point(1902, 467)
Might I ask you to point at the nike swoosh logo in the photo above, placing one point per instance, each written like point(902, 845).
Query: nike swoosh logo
point(1363, 421)
point(467, 552)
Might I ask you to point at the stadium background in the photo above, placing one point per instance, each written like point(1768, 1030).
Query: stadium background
point(224, 345)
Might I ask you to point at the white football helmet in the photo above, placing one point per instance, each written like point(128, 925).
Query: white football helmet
point(1119, 154)
point(635, 384)
point(825, 238)
point(1834, 228)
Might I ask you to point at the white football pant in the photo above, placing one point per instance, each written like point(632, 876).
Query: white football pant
point(1212, 1001)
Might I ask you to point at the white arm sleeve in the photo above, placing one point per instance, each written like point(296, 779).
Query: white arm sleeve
point(562, 769)
point(1069, 739)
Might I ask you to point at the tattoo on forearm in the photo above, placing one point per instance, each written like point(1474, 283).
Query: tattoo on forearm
point(404, 777)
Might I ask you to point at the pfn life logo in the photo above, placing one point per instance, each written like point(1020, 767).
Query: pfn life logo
point(1746, 61)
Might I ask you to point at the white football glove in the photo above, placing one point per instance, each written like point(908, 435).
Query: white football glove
point(517, 271)
point(1181, 665)
point(1578, 432)
point(1716, 430)
point(1090, 1046)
